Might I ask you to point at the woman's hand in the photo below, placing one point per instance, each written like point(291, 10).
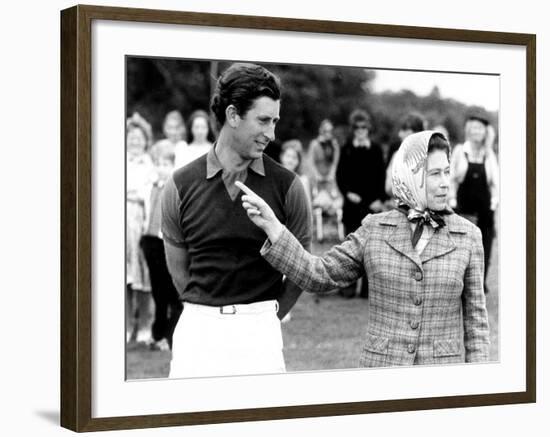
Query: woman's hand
point(376, 206)
point(353, 197)
point(260, 213)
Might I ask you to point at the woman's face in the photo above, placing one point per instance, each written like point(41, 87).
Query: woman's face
point(476, 131)
point(325, 130)
point(360, 130)
point(290, 160)
point(135, 142)
point(437, 180)
point(173, 129)
point(199, 129)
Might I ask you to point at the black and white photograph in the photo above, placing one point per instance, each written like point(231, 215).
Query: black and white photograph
point(287, 218)
point(269, 219)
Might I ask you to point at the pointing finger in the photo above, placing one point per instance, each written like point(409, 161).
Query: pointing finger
point(252, 199)
point(245, 188)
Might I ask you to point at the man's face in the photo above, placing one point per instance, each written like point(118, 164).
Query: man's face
point(256, 128)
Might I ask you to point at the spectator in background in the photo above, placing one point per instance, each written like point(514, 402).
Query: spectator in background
point(139, 174)
point(168, 307)
point(201, 138)
point(173, 128)
point(292, 158)
point(411, 123)
point(475, 178)
point(324, 153)
point(360, 176)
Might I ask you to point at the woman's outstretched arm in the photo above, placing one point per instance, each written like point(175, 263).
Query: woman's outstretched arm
point(338, 268)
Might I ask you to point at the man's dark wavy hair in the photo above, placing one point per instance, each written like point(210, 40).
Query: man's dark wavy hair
point(240, 85)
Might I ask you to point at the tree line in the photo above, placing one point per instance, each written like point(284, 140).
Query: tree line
point(311, 93)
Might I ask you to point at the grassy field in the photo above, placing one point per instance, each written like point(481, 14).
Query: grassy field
point(323, 333)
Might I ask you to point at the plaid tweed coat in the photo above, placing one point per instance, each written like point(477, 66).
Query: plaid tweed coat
point(423, 309)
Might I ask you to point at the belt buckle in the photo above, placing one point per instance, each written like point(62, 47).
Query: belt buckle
point(232, 309)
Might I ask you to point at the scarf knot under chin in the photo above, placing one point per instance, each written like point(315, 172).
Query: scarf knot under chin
point(433, 218)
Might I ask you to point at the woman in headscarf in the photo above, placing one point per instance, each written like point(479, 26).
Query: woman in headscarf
point(423, 262)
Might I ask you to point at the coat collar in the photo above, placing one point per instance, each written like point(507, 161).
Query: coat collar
point(440, 243)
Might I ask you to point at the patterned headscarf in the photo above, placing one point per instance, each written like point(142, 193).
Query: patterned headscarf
point(409, 183)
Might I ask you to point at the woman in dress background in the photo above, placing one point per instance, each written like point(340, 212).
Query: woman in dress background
point(424, 264)
point(323, 156)
point(173, 128)
point(140, 172)
point(292, 158)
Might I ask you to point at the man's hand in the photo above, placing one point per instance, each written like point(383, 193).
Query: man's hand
point(260, 213)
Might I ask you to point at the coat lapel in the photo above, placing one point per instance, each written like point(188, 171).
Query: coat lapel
point(440, 244)
point(400, 238)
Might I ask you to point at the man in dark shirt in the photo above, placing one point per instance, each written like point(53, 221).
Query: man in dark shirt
point(233, 299)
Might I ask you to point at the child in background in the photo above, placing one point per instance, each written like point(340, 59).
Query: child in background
point(174, 131)
point(168, 307)
point(140, 171)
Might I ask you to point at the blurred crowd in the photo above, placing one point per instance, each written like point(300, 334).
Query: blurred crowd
point(344, 181)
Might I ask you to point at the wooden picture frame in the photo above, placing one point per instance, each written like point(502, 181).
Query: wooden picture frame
point(76, 217)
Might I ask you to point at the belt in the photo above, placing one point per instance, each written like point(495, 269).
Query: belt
point(250, 308)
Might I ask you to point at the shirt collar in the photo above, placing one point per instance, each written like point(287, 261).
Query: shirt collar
point(213, 165)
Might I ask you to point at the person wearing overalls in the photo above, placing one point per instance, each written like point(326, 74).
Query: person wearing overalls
point(474, 175)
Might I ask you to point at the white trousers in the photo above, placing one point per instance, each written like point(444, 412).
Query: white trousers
point(229, 340)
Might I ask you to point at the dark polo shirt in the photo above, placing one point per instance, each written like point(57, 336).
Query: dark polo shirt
point(202, 213)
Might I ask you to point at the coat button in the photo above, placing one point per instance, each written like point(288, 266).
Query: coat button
point(414, 324)
point(418, 275)
point(417, 301)
point(411, 348)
